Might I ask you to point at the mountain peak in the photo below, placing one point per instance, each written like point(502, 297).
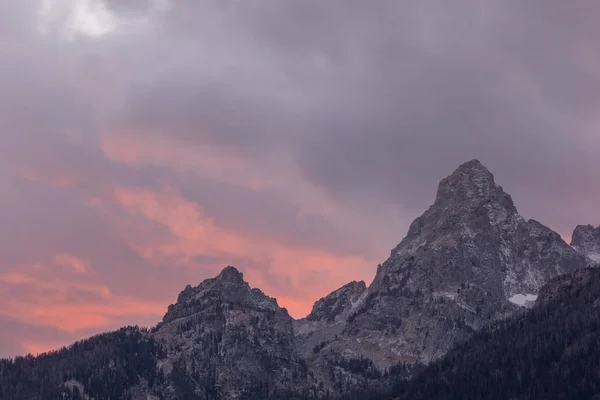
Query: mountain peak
point(583, 233)
point(472, 182)
point(338, 303)
point(227, 288)
point(469, 259)
point(472, 169)
point(472, 165)
point(586, 239)
point(230, 274)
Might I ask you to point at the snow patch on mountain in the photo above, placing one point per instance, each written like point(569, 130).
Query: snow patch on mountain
point(523, 300)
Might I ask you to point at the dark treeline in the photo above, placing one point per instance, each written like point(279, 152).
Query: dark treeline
point(107, 365)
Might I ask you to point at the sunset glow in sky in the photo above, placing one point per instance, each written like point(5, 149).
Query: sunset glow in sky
point(145, 145)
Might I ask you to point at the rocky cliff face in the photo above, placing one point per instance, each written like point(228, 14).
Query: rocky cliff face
point(468, 260)
point(554, 345)
point(586, 240)
point(338, 304)
point(320, 341)
point(229, 341)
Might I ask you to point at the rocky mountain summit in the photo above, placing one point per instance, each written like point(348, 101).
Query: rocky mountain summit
point(586, 240)
point(468, 260)
point(228, 340)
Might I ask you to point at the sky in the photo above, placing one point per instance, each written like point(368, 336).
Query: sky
point(147, 144)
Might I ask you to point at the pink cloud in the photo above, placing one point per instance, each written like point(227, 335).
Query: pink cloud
point(77, 283)
point(194, 234)
point(54, 306)
point(70, 261)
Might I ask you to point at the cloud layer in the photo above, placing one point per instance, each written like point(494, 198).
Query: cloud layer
point(144, 145)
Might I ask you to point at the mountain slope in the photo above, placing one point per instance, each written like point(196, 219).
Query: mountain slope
point(227, 340)
point(468, 260)
point(550, 352)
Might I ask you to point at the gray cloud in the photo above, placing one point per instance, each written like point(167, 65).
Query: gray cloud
point(383, 101)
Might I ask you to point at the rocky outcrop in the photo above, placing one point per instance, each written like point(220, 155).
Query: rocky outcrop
point(586, 240)
point(231, 341)
point(566, 283)
point(338, 304)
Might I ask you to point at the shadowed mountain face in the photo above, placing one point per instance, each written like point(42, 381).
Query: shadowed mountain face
point(469, 260)
point(550, 352)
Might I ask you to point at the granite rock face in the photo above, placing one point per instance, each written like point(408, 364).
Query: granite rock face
point(468, 260)
point(338, 304)
point(231, 341)
point(320, 341)
point(586, 240)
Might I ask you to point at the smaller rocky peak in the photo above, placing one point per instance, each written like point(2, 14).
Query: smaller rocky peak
point(586, 240)
point(473, 167)
point(185, 293)
point(228, 280)
point(584, 235)
point(472, 182)
point(537, 229)
point(338, 303)
point(350, 289)
point(261, 300)
point(230, 274)
point(228, 289)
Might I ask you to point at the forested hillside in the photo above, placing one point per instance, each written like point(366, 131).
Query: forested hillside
point(107, 365)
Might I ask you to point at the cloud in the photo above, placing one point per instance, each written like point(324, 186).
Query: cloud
point(144, 145)
point(72, 262)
